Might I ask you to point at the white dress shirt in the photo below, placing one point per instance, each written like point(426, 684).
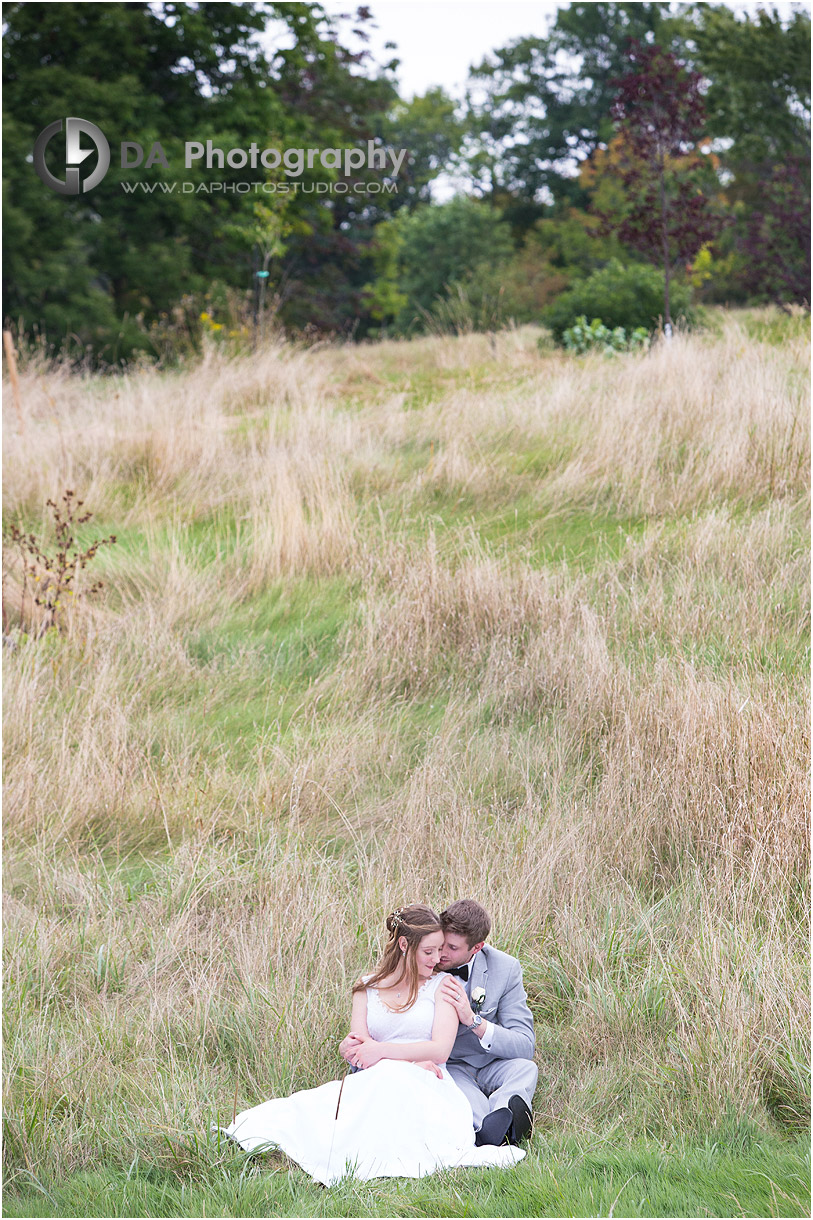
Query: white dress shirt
point(488, 1033)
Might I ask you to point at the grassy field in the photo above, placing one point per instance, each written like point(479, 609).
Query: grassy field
point(404, 622)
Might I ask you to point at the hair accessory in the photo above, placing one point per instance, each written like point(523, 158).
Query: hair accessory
point(396, 919)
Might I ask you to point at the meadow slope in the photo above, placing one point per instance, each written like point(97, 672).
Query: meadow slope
point(401, 622)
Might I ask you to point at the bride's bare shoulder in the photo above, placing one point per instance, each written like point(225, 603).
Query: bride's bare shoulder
point(386, 983)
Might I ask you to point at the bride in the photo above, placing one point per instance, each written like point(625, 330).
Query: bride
point(399, 1114)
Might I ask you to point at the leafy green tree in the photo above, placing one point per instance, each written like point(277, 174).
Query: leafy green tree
point(101, 268)
point(429, 128)
point(546, 103)
point(328, 256)
point(382, 296)
point(441, 246)
point(574, 242)
point(757, 68)
point(517, 290)
point(137, 76)
point(50, 280)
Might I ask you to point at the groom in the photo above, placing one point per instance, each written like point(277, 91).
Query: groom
point(491, 1060)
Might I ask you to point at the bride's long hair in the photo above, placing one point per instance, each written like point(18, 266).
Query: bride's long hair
point(413, 923)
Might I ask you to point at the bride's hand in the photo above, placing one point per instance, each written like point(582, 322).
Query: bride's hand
point(430, 1067)
point(366, 1054)
point(347, 1046)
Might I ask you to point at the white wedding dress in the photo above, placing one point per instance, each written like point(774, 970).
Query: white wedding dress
point(395, 1120)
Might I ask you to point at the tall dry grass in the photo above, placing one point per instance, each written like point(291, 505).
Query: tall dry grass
point(317, 687)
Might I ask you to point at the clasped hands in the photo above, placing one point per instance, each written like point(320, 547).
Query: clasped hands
point(360, 1052)
point(366, 1052)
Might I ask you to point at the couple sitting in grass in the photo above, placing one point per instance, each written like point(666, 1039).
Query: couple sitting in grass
point(440, 1052)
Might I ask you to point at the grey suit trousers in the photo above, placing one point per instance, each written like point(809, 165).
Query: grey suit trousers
point(489, 1088)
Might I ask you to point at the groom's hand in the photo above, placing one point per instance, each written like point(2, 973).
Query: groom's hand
point(454, 991)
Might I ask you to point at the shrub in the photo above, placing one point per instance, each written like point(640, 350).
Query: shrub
point(525, 285)
point(594, 336)
point(494, 297)
point(630, 297)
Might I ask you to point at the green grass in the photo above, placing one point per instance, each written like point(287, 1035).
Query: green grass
point(516, 521)
point(257, 666)
point(740, 1171)
point(298, 619)
point(580, 538)
point(424, 386)
point(775, 327)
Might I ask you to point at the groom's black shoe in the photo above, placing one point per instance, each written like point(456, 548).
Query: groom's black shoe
point(495, 1127)
point(523, 1120)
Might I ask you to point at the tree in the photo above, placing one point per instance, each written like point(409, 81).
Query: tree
point(545, 102)
point(777, 239)
point(756, 70)
point(422, 254)
point(327, 259)
point(429, 127)
point(140, 75)
point(540, 107)
point(658, 112)
point(103, 268)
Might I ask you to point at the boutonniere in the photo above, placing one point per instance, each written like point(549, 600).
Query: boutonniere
point(478, 997)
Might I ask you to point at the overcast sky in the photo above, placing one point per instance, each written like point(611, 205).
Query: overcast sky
point(437, 40)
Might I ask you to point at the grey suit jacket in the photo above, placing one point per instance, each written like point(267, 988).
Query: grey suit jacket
point(505, 1006)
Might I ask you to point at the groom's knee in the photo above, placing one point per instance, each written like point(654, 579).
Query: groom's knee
point(525, 1075)
point(531, 1075)
point(517, 1075)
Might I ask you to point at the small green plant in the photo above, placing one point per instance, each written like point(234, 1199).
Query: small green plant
point(584, 336)
point(53, 577)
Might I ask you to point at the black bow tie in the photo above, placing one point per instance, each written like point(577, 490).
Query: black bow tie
point(462, 972)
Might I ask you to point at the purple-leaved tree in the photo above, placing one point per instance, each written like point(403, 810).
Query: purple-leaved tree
point(669, 185)
point(777, 239)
